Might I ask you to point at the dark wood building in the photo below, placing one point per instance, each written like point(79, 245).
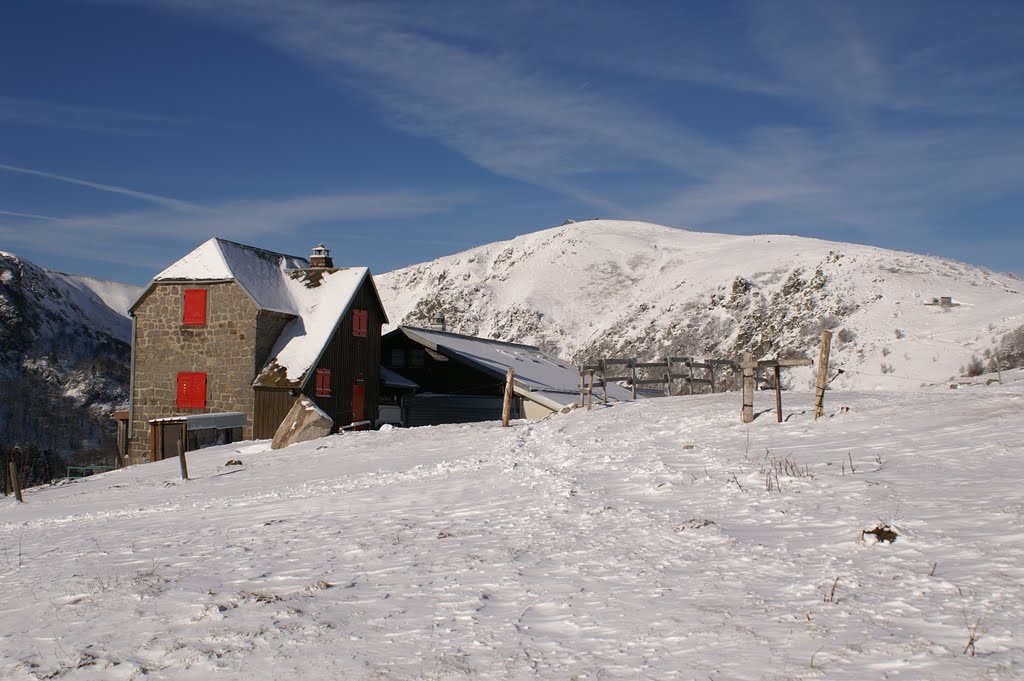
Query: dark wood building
point(462, 378)
point(233, 328)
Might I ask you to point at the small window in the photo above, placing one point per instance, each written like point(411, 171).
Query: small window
point(323, 382)
point(397, 357)
point(194, 307)
point(417, 358)
point(360, 323)
point(191, 390)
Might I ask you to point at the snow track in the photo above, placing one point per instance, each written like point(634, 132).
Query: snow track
point(635, 541)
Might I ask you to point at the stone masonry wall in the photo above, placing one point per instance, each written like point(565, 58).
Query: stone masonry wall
point(225, 349)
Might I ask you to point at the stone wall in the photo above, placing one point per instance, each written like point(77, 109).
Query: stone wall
point(225, 349)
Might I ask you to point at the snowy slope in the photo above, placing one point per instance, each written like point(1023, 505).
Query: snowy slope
point(63, 356)
point(105, 302)
point(604, 288)
point(638, 541)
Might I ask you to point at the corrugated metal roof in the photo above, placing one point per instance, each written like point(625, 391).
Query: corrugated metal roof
point(540, 377)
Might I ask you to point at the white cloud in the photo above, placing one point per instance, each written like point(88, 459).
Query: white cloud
point(148, 235)
point(164, 201)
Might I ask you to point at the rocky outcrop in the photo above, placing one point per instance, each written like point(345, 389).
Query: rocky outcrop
point(305, 421)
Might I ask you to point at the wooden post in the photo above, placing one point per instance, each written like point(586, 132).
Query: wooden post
point(632, 375)
point(506, 406)
point(778, 394)
point(747, 415)
point(604, 383)
point(689, 375)
point(581, 386)
point(12, 468)
point(819, 390)
point(181, 455)
point(711, 373)
point(590, 389)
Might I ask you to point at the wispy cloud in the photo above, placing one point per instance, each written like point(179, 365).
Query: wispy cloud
point(501, 87)
point(146, 235)
point(50, 114)
point(164, 201)
point(31, 216)
point(878, 118)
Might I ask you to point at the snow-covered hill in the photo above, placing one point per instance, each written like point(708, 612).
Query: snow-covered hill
point(63, 356)
point(659, 539)
point(607, 288)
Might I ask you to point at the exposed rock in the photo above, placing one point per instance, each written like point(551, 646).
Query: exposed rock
point(305, 421)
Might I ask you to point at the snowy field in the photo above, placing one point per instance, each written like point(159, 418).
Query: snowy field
point(639, 541)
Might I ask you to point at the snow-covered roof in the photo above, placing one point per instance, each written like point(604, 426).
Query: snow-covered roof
point(263, 274)
point(319, 298)
point(224, 419)
point(539, 377)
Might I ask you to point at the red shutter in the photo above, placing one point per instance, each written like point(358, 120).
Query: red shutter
point(194, 307)
point(323, 382)
point(199, 390)
point(360, 323)
point(191, 390)
point(184, 400)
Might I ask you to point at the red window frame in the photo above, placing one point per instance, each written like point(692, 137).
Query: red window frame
point(191, 390)
point(360, 323)
point(193, 308)
point(323, 383)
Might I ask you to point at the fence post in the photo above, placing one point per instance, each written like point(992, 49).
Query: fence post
point(632, 375)
point(181, 456)
point(15, 483)
point(590, 389)
point(819, 390)
point(778, 394)
point(711, 373)
point(604, 383)
point(747, 415)
point(506, 406)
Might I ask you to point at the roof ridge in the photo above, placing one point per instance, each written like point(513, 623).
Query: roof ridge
point(221, 240)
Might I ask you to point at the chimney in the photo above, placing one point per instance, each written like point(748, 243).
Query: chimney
point(321, 257)
point(438, 323)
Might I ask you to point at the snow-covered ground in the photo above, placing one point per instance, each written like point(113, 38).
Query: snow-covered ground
point(639, 541)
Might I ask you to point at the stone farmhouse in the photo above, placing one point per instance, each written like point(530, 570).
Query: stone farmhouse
point(226, 339)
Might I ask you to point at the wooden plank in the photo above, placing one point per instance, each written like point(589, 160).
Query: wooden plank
point(618, 360)
point(651, 365)
point(698, 365)
point(650, 381)
point(616, 379)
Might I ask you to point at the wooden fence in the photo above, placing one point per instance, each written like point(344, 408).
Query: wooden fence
point(687, 371)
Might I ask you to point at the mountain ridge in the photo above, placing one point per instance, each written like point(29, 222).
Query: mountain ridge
point(64, 359)
point(604, 287)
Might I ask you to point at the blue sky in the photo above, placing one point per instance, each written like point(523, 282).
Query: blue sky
point(399, 132)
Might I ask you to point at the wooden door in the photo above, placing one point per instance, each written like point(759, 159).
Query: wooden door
point(358, 402)
point(170, 436)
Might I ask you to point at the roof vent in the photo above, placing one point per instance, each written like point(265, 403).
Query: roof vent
point(321, 257)
point(438, 323)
